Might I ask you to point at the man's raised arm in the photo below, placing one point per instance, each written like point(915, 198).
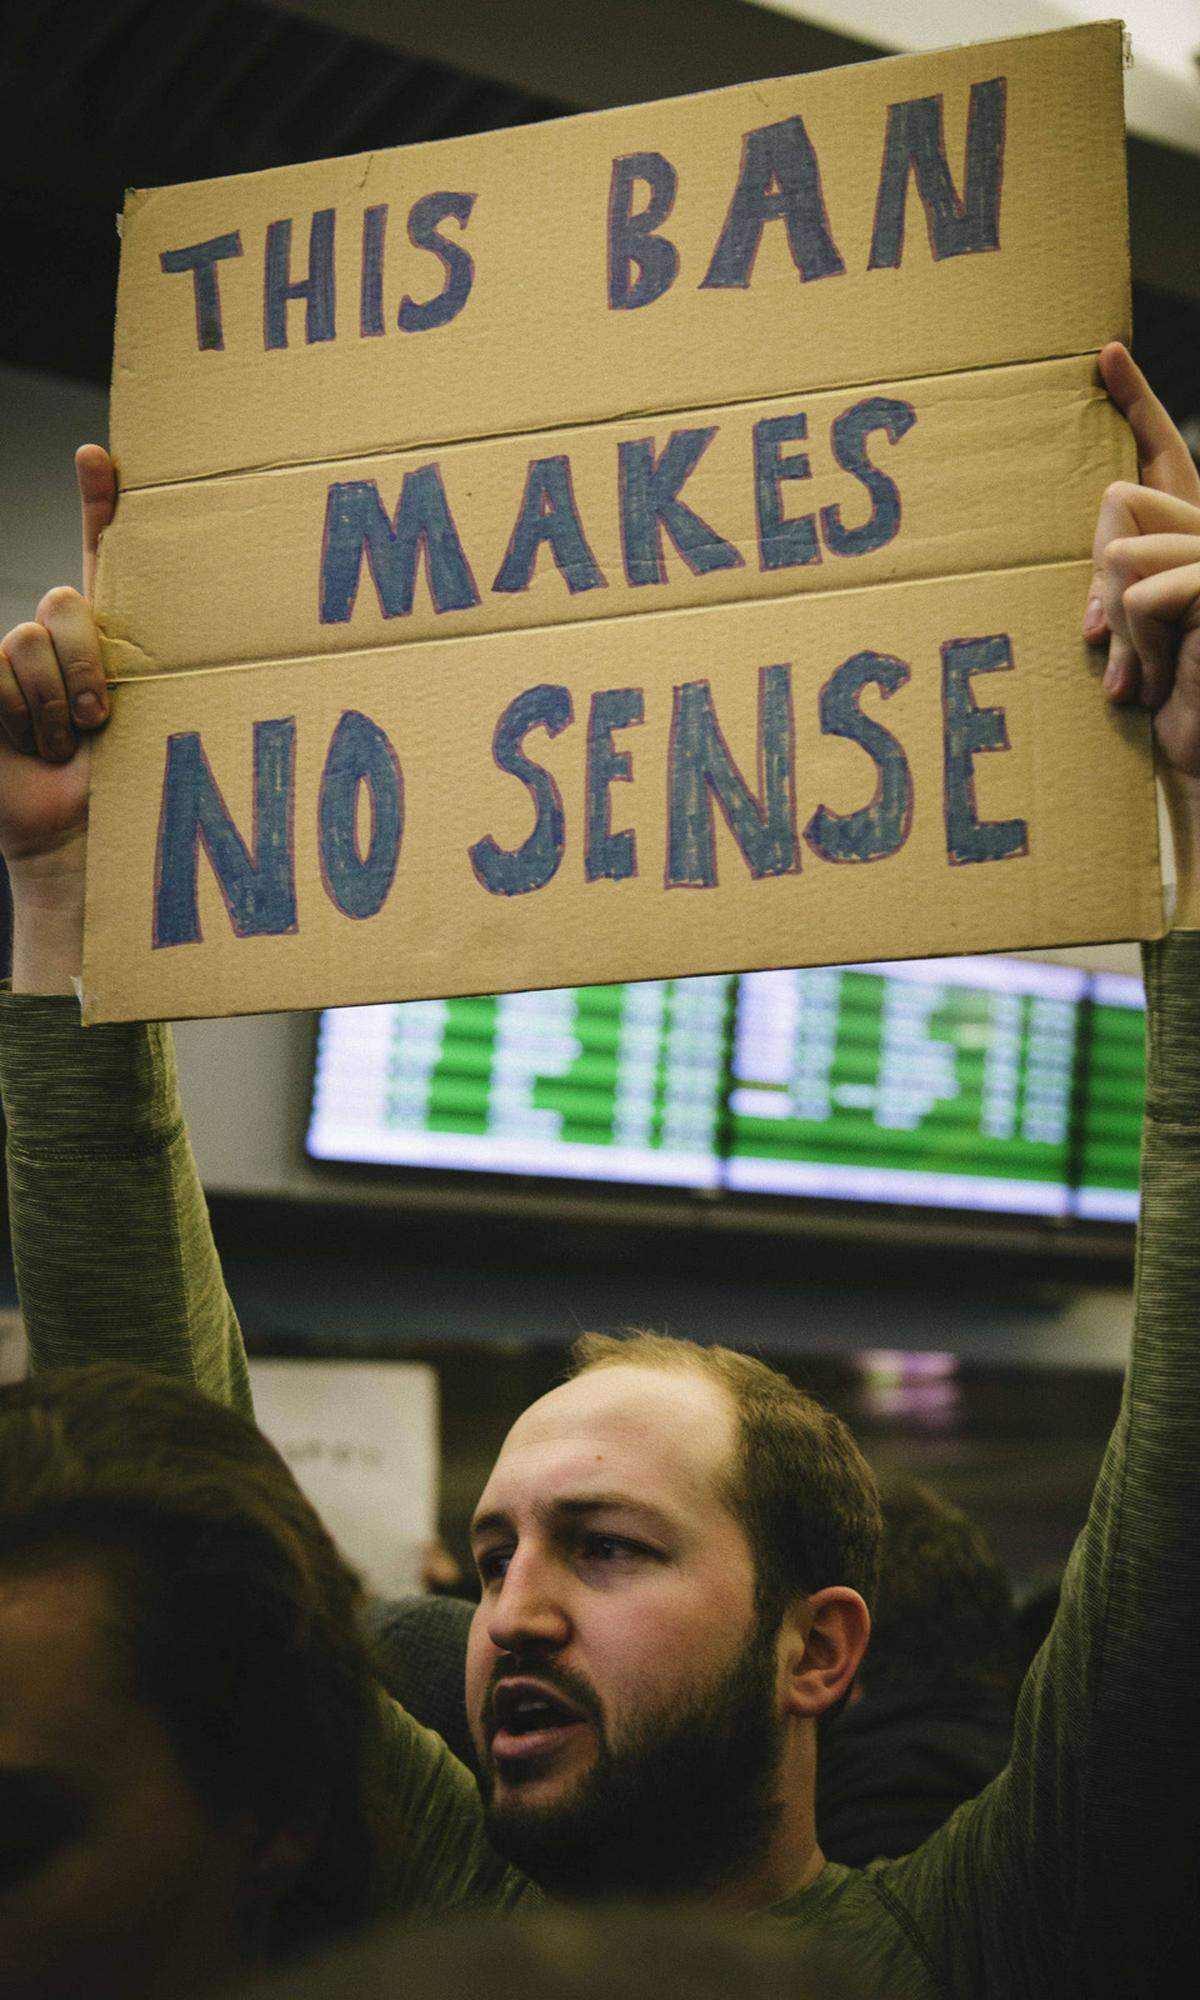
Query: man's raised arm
point(111, 1240)
point(1075, 1872)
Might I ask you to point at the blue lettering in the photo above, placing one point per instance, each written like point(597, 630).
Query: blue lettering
point(915, 142)
point(548, 514)
point(969, 730)
point(850, 433)
point(608, 854)
point(531, 865)
point(317, 289)
point(650, 502)
point(201, 259)
point(260, 888)
point(632, 239)
point(779, 181)
point(359, 754)
point(782, 544)
point(355, 519)
point(457, 263)
point(882, 827)
point(370, 310)
point(702, 769)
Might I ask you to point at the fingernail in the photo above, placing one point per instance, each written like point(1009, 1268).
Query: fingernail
point(1112, 677)
point(60, 745)
point(1093, 617)
point(87, 709)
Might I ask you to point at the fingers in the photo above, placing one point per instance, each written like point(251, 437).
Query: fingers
point(1141, 649)
point(1164, 460)
point(15, 718)
point(1144, 597)
point(68, 619)
point(51, 678)
point(1122, 671)
point(1158, 608)
point(97, 479)
point(34, 669)
point(1127, 509)
point(1138, 532)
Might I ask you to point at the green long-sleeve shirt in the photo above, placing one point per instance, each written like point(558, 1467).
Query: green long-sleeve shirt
point(1075, 1872)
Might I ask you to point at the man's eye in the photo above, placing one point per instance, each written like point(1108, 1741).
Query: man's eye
point(613, 1548)
point(492, 1565)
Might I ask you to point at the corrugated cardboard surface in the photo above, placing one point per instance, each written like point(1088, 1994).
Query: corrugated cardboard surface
point(212, 578)
point(441, 932)
point(536, 345)
point(206, 572)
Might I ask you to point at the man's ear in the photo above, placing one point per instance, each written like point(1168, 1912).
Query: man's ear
point(824, 1639)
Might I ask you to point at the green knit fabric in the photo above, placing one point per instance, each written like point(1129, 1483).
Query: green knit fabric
point(1075, 1873)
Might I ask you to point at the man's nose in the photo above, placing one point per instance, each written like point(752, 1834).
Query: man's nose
point(530, 1608)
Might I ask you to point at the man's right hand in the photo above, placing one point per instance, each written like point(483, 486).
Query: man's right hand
point(52, 699)
point(1144, 606)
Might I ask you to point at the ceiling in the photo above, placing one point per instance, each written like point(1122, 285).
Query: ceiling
point(100, 95)
point(1162, 81)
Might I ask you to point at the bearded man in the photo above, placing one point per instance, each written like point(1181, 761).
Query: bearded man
point(672, 1595)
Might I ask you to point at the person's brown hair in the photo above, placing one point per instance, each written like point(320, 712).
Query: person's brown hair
point(799, 1484)
point(236, 1614)
point(563, 1951)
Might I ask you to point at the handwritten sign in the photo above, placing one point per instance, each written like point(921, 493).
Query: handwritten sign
point(645, 543)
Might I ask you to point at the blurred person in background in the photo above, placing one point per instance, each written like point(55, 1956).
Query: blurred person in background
point(187, 1713)
point(419, 1645)
point(561, 1953)
point(929, 1720)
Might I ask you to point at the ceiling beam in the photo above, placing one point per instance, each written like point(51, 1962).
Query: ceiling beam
point(594, 55)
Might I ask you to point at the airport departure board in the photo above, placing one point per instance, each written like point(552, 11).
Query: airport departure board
point(596, 1082)
point(1110, 1135)
point(982, 1083)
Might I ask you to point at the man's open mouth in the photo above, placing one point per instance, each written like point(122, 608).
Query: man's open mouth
point(530, 1720)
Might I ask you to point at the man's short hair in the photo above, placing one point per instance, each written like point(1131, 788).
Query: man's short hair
point(235, 1614)
point(798, 1484)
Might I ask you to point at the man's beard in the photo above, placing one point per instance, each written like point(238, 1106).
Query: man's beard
point(686, 1804)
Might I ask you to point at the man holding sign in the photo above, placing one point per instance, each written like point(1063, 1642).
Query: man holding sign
point(624, 1602)
point(648, 608)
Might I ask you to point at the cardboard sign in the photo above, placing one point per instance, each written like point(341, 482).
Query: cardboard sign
point(646, 543)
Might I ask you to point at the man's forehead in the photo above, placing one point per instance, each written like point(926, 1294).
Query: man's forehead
point(673, 1428)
